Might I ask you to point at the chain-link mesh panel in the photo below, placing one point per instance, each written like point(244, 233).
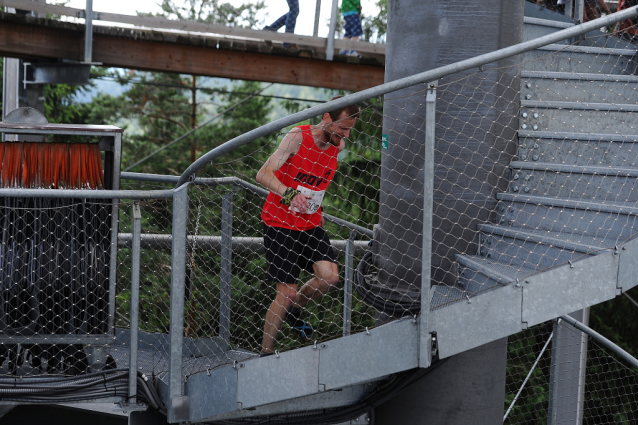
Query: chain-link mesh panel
point(555, 374)
point(155, 281)
point(55, 262)
point(533, 169)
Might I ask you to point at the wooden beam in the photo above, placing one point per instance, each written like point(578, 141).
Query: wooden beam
point(204, 27)
point(17, 40)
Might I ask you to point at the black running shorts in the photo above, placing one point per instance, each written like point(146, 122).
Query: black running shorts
point(289, 251)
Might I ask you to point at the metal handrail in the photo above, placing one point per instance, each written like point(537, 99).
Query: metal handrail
point(239, 182)
point(402, 83)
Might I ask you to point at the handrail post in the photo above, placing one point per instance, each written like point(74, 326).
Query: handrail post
point(315, 31)
point(225, 283)
point(579, 9)
point(88, 31)
point(178, 278)
point(347, 287)
point(135, 303)
point(330, 45)
point(425, 339)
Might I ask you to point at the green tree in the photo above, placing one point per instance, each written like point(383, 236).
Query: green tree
point(213, 11)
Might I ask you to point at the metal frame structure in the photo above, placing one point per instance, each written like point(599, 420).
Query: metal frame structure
point(315, 373)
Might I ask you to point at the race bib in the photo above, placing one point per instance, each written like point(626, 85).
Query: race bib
point(314, 203)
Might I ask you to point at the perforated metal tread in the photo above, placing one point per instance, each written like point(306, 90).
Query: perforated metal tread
point(574, 169)
point(569, 241)
point(628, 208)
point(587, 49)
point(547, 22)
point(578, 106)
point(499, 272)
point(557, 75)
point(585, 137)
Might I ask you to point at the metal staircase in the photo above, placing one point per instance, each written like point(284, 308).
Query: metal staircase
point(570, 205)
point(561, 239)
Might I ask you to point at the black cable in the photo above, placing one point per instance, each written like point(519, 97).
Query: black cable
point(365, 290)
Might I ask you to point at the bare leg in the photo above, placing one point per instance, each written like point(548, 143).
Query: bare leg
point(326, 276)
point(286, 293)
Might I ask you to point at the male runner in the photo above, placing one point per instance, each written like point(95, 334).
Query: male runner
point(297, 176)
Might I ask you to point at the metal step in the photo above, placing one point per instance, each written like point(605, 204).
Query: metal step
point(577, 117)
point(579, 87)
point(590, 183)
point(478, 274)
point(535, 249)
point(562, 58)
point(610, 150)
point(536, 27)
point(614, 223)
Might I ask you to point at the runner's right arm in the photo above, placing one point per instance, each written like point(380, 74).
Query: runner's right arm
point(266, 175)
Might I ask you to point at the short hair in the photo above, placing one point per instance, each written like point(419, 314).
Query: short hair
point(352, 111)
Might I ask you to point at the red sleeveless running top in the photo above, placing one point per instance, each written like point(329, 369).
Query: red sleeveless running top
point(311, 168)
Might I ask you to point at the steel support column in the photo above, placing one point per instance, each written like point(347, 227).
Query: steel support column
point(135, 303)
point(567, 372)
point(347, 287)
point(226, 268)
point(425, 337)
point(178, 279)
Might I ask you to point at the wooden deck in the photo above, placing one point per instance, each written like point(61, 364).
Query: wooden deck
point(183, 52)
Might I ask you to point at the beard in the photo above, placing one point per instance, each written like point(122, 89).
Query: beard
point(330, 138)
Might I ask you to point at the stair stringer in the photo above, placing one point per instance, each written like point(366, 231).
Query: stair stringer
point(543, 296)
point(266, 384)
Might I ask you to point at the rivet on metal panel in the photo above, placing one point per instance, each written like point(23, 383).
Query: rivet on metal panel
point(515, 188)
point(535, 127)
point(571, 266)
point(502, 208)
point(523, 157)
point(524, 114)
point(528, 85)
point(482, 251)
point(502, 220)
point(535, 158)
point(528, 96)
point(523, 145)
point(526, 189)
point(367, 331)
point(516, 176)
point(527, 178)
point(535, 145)
point(535, 114)
point(524, 126)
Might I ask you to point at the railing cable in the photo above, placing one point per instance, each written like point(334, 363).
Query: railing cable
point(188, 133)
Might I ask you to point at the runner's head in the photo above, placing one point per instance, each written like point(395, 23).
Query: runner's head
point(338, 123)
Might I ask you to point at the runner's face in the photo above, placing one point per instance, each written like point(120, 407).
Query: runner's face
point(338, 130)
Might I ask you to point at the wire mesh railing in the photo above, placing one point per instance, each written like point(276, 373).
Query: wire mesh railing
point(533, 167)
point(539, 388)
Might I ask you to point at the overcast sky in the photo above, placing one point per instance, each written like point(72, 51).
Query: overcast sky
point(274, 9)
